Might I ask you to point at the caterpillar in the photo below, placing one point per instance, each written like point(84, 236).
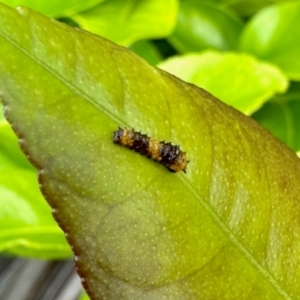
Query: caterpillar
point(166, 154)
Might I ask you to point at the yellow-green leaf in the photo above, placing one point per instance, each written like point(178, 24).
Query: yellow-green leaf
point(27, 227)
point(127, 21)
point(239, 80)
point(273, 34)
point(55, 8)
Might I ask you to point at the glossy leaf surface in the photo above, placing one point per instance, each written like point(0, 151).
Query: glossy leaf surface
point(132, 20)
point(147, 51)
point(238, 79)
point(202, 25)
point(281, 117)
point(273, 35)
point(248, 7)
point(10, 155)
point(27, 227)
point(55, 8)
point(228, 229)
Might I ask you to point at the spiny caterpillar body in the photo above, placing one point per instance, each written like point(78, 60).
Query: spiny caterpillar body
point(165, 153)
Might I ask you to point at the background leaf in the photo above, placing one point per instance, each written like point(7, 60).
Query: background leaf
point(27, 227)
point(273, 35)
point(134, 20)
point(84, 296)
point(239, 79)
point(281, 117)
point(147, 51)
point(55, 8)
point(202, 25)
point(10, 155)
point(248, 7)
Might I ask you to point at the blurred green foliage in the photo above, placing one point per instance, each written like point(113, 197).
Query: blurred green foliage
point(245, 53)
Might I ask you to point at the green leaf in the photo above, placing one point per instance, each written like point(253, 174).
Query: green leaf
point(227, 229)
point(1, 117)
point(147, 51)
point(281, 117)
point(202, 25)
point(248, 7)
point(10, 154)
point(238, 79)
point(27, 228)
point(273, 35)
point(127, 21)
point(55, 8)
point(84, 296)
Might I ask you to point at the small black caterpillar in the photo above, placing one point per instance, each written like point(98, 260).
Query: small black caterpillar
point(165, 153)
